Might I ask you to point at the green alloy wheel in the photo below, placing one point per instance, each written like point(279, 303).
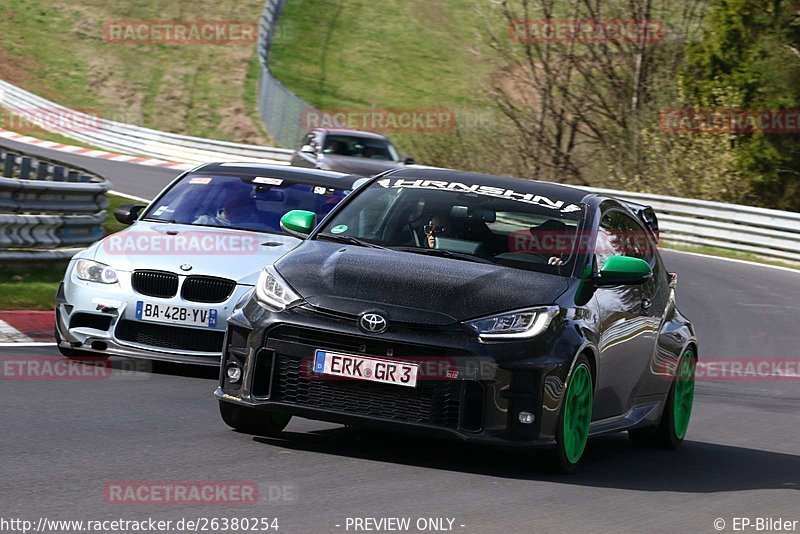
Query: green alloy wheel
point(683, 396)
point(576, 415)
point(671, 429)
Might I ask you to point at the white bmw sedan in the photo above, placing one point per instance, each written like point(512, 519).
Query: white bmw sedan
point(163, 288)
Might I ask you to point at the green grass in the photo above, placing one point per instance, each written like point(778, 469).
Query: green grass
point(30, 287)
point(56, 48)
point(34, 287)
point(394, 54)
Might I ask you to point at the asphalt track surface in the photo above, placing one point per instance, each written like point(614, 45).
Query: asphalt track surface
point(63, 441)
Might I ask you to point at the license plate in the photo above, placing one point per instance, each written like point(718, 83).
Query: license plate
point(167, 313)
point(365, 368)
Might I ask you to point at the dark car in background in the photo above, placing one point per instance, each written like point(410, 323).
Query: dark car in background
point(349, 151)
point(494, 310)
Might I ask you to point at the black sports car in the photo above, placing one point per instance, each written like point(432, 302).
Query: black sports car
point(496, 310)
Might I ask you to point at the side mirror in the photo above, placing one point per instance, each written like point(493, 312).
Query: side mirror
point(298, 223)
point(128, 213)
point(408, 160)
point(308, 149)
point(624, 270)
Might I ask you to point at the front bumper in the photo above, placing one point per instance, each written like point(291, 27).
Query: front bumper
point(101, 319)
point(468, 390)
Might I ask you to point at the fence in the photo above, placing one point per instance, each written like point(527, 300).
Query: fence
point(280, 109)
point(45, 206)
point(760, 231)
point(131, 139)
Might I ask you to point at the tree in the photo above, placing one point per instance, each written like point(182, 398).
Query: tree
point(753, 48)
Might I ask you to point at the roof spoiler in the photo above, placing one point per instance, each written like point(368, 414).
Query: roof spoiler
point(646, 214)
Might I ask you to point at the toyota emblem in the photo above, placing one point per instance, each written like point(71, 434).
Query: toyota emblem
point(373, 323)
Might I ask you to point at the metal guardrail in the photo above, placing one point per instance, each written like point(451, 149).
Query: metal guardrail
point(280, 109)
point(45, 205)
point(760, 231)
point(136, 140)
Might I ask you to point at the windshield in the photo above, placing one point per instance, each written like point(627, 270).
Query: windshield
point(360, 147)
point(486, 224)
point(244, 203)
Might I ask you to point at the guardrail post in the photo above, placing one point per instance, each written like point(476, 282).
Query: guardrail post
point(58, 173)
point(24, 168)
point(41, 170)
point(9, 164)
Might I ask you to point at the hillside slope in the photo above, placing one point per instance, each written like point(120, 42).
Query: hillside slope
point(58, 49)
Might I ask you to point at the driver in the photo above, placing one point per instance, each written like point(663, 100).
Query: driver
point(439, 226)
point(237, 207)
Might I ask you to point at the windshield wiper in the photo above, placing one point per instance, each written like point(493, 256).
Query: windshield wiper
point(168, 221)
point(350, 240)
point(443, 253)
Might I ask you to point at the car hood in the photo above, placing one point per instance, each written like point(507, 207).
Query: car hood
point(235, 254)
point(361, 166)
point(410, 287)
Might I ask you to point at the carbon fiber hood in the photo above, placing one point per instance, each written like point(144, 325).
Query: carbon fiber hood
point(409, 287)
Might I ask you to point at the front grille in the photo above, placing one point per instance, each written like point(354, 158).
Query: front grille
point(155, 283)
point(207, 289)
point(431, 402)
point(90, 320)
point(364, 345)
point(170, 337)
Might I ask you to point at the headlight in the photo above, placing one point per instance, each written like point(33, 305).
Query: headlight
point(93, 271)
point(273, 292)
point(515, 325)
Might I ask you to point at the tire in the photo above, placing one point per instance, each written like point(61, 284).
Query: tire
point(253, 421)
point(572, 433)
point(671, 429)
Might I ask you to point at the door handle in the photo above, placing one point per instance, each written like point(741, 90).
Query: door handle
point(646, 303)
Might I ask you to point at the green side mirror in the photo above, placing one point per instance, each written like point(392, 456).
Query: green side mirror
point(298, 223)
point(624, 270)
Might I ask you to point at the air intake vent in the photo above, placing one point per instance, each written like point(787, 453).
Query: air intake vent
point(170, 337)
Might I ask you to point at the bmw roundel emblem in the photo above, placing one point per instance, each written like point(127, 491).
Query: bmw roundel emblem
point(373, 323)
point(186, 267)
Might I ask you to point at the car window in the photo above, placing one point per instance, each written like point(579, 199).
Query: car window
point(246, 203)
point(308, 140)
point(528, 231)
point(359, 147)
point(620, 234)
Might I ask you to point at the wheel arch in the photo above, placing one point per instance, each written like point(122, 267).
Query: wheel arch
point(590, 351)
